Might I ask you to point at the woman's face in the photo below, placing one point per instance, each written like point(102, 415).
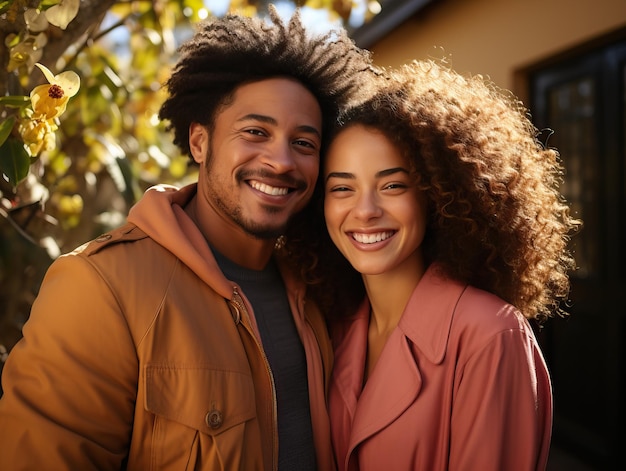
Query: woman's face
point(374, 211)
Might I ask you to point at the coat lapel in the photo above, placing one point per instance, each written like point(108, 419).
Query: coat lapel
point(350, 359)
point(393, 386)
point(396, 381)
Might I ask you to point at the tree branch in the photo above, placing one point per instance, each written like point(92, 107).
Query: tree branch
point(89, 14)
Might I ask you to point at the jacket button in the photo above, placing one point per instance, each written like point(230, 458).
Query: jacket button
point(214, 419)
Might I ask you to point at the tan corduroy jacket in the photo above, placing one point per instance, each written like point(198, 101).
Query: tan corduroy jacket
point(139, 354)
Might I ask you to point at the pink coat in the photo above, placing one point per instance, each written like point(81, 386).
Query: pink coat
point(460, 385)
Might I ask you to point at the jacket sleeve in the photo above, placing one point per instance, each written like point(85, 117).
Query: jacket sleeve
point(70, 383)
point(502, 413)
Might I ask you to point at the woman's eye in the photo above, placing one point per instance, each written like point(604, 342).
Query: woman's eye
point(394, 186)
point(335, 189)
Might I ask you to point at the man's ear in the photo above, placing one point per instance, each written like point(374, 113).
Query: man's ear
point(198, 142)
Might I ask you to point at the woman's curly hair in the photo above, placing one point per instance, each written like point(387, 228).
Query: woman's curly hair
point(497, 219)
point(227, 52)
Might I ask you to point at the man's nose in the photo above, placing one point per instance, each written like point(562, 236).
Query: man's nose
point(280, 157)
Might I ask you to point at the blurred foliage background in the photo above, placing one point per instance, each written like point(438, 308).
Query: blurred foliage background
point(72, 170)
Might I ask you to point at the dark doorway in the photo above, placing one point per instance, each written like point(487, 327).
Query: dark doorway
point(582, 98)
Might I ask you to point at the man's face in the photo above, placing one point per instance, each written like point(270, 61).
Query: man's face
point(262, 158)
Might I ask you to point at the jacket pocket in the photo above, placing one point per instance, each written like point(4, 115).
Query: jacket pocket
point(200, 416)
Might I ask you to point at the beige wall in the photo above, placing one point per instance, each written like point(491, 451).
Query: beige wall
point(498, 37)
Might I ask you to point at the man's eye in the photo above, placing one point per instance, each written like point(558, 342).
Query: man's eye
point(304, 143)
point(255, 132)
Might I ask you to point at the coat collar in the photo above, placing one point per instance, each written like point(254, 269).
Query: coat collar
point(425, 326)
point(427, 318)
point(426, 321)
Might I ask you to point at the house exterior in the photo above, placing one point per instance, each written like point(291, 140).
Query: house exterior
point(566, 59)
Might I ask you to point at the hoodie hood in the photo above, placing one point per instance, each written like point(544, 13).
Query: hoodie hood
point(160, 214)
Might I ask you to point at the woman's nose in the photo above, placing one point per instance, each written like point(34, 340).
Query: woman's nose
point(367, 206)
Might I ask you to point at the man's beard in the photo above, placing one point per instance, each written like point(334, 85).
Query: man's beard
point(233, 211)
point(258, 231)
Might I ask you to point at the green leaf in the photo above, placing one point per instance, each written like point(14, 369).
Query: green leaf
point(14, 160)
point(45, 4)
point(14, 100)
point(5, 129)
point(4, 6)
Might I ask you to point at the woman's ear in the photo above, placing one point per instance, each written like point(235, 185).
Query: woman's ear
point(198, 142)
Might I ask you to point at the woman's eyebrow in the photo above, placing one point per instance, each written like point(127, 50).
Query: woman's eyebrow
point(346, 175)
point(382, 173)
point(391, 171)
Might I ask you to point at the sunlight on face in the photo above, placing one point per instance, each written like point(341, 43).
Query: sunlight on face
point(374, 211)
point(261, 162)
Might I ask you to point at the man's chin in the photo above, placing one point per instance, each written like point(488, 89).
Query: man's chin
point(265, 232)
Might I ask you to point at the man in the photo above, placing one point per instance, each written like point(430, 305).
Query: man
point(181, 340)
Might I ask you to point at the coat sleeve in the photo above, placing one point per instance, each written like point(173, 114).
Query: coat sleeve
point(70, 383)
point(502, 413)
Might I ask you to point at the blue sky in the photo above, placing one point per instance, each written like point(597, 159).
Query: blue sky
point(316, 20)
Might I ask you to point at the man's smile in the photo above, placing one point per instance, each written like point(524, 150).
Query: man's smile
point(268, 189)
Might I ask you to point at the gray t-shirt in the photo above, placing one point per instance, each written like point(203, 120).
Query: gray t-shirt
point(266, 292)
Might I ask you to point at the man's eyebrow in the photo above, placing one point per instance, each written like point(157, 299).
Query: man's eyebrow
point(269, 120)
point(382, 173)
point(258, 117)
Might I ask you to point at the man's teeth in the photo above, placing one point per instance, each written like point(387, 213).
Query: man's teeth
point(371, 238)
point(269, 190)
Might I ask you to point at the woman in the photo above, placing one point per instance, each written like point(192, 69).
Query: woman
point(438, 193)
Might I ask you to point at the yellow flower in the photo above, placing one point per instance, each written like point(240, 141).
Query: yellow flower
point(35, 20)
point(49, 101)
point(38, 135)
point(26, 53)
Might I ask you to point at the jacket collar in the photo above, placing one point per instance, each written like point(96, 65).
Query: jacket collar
point(160, 214)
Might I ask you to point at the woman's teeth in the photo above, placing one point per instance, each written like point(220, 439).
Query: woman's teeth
point(371, 238)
